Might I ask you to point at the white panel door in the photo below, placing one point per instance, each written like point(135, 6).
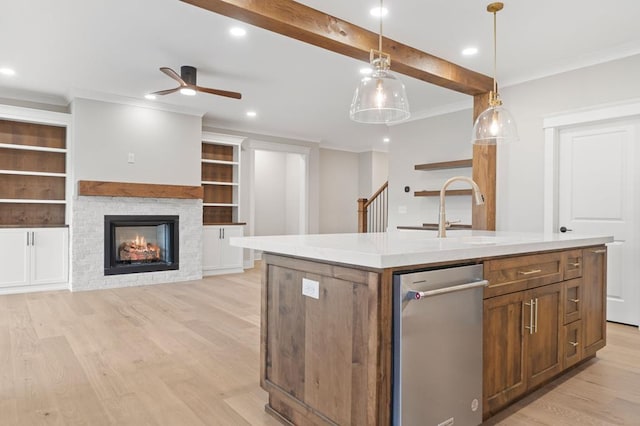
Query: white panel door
point(597, 194)
point(14, 257)
point(49, 256)
point(231, 256)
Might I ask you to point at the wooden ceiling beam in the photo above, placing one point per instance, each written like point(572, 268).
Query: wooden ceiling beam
point(309, 25)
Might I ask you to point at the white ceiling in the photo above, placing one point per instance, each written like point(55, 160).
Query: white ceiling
point(66, 48)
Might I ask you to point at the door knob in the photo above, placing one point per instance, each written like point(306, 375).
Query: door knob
point(565, 229)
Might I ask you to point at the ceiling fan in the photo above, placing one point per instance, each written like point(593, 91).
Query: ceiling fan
point(188, 86)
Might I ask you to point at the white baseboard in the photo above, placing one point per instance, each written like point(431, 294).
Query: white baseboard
point(33, 288)
point(210, 272)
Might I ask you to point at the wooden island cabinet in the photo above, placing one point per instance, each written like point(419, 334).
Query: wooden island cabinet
point(327, 324)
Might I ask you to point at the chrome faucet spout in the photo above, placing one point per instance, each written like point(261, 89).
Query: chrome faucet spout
point(477, 195)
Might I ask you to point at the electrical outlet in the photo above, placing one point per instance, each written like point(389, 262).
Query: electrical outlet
point(311, 288)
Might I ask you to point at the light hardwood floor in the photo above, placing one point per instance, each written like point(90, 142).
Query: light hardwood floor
point(187, 354)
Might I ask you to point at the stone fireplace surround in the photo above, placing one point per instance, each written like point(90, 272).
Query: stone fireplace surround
point(87, 236)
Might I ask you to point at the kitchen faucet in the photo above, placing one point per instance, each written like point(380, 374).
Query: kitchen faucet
point(479, 199)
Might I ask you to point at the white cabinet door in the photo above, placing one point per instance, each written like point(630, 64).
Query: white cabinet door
point(14, 257)
point(49, 255)
point(211, 243)
point(231, 256)
point(218, 256)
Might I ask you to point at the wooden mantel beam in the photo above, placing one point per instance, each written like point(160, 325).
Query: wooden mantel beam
point(309, 25)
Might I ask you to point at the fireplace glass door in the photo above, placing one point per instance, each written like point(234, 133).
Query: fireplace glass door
point(140, 244)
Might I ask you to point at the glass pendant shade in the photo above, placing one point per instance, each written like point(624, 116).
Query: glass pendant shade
point(495, 125)
point(380, 98)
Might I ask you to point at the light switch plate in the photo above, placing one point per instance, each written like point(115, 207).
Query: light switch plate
point(311, 288)
point(131, 158)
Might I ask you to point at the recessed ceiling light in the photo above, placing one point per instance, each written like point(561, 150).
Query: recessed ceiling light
point(378, 11)
point(187, 91)
point(251, 114)
point(386, 140)
point(7, 71)
point(366, 71)
point(238, 32)
point(469, 51)
point(150, 96)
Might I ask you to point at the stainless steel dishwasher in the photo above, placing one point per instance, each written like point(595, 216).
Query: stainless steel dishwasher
point(437, 355)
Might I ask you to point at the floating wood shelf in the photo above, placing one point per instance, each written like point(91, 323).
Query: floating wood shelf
point(448, 192)
point(457, 164)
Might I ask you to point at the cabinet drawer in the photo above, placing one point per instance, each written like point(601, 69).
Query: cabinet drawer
point(573, 345)
point(572, 264)
point(518, 273)
point(572, 299)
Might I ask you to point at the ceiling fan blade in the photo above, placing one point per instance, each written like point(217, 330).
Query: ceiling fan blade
point(166, 92)
point(174, 75)
point(234, 95)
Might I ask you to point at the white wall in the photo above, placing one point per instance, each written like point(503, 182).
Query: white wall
point(166, 145)
point(279, 181)
point(338, 191)
point(521, 165)
point(373, 171)
point(431, 140)
point(294, 193)
point(270, 192)
point(520, 168)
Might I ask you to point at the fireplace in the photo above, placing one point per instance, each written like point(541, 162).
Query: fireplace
point(135, 244)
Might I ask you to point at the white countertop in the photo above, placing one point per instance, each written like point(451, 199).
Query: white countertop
point(404, 248)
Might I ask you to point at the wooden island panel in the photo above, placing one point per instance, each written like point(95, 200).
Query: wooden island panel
point(328, 361)
point(321, 357)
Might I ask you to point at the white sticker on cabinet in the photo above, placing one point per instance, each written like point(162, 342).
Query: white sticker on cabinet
point(311, 288)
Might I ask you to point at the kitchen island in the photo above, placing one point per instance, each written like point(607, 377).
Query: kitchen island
point(327, 315)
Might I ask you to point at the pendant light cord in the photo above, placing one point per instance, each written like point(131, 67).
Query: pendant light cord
point(495, 54)
point(380, 34)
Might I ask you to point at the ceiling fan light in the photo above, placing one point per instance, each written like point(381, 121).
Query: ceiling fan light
point(380, 98)
point(494, 126)
point(188, 91)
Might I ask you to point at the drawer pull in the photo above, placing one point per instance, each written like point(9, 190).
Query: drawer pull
point(574, 300)
point(533, 271)
point(574, 344)
point(575, 264)
point(600, 251)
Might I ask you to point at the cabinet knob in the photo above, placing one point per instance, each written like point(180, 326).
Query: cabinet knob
point(565, 229)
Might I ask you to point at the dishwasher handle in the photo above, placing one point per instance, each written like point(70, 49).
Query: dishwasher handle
point(417, 295)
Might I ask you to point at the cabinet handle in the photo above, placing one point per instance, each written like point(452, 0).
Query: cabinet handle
point(530, 326)
point(33, 238)
point(28, 239)
point(574, 344)
point(599, 251)
point(536, 315)
point(223, 233)
point(533, 271)
point(576, 264)
point(574, 300)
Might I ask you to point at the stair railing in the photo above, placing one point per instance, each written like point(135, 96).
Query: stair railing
point(373, 212)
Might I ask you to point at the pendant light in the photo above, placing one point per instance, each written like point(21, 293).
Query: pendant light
point(380, 97)
point(495, 124)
